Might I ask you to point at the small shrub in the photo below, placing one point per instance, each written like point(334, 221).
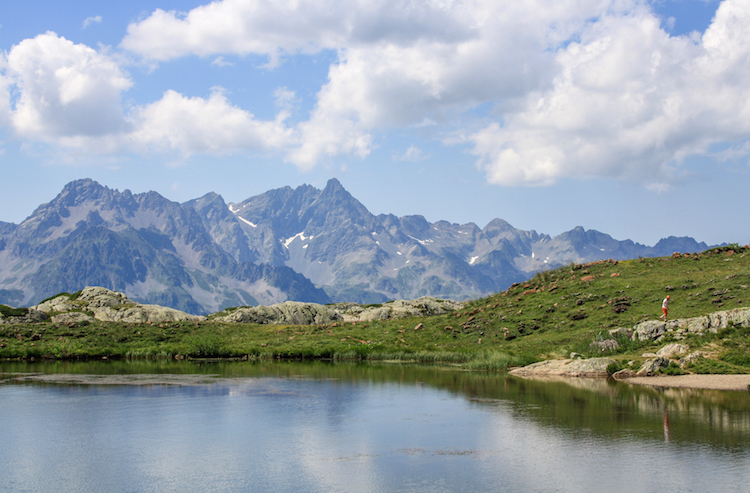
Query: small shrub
point(613, 368)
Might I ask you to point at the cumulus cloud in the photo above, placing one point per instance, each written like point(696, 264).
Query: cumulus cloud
point(177, 123)
point(65, 89)
point(289, 26)
point(538, 90)
point(628, 101)
point(69, 95)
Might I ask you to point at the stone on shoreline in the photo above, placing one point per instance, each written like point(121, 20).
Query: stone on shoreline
point(588, 368)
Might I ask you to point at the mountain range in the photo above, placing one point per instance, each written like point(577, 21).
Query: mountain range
point(302, 244)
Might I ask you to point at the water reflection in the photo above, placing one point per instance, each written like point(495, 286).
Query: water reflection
point(325, 427)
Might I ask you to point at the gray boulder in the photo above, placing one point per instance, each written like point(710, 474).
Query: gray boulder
point(32, 316)
point(298, 313)
point(672, 350)
point(109, 306)
point(138, 314)
point(691, 358)
point(651, 329)
point(421, 307)
point(592, 368)
point(72, 317)
point(652, 366)
point(287, 313)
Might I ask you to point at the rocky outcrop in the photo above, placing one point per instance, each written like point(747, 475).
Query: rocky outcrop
point(652, 366)
point(72, 318)
point(672, 350)
point(592, 368)
point(31, 316)
point(95, 303)
point(653, 329)
point(297, 313)
point(287, 313)
point(422, 307)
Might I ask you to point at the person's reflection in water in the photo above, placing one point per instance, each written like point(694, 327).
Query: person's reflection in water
point(666, 426)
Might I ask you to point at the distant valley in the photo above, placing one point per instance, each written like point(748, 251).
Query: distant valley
point(302, 244)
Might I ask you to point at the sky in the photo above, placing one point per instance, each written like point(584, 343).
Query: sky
point(631, 117)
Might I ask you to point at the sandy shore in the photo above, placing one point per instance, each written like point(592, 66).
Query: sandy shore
point(714, 382)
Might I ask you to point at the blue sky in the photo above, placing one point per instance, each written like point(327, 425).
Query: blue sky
point(626, 116)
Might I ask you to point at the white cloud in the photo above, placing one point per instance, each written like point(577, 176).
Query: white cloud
point(628, 101)
point(185, 125)
point(540, 90)
point(289, 26)
point(69, 95)
point(66, 89)
point(92, 20)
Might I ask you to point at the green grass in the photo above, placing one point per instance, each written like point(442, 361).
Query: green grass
point(557, 312)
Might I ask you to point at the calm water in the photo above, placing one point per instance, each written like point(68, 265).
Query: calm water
point(309, 427)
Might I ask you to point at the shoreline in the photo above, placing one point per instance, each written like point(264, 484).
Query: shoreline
point(708, 381)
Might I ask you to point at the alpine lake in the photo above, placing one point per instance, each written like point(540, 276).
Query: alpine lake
point(187, 426)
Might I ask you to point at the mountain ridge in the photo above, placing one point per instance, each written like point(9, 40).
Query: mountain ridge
point(301, 244)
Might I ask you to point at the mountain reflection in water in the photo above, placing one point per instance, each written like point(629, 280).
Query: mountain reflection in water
point(243, 426)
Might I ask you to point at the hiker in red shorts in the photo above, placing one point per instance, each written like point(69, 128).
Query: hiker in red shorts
point(664, 308)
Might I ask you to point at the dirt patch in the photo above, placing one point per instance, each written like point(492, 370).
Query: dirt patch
point(713, 382)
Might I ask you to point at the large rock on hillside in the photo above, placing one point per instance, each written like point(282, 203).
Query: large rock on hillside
point(30, 316)
point(108, 306)
point(287, 313)
point(713, 322)
point(297, 313)
point(422, 307)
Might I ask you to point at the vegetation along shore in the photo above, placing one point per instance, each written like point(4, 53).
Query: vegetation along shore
point(606, 309)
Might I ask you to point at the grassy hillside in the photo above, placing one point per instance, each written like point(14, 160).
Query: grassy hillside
point(550, 316)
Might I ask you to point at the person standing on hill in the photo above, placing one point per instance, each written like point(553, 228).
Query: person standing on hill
point(665, 308)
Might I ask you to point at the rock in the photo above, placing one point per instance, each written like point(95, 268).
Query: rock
point(691, 358)
point(72, 317)
point(574, 355)
point(297, 313)
point(621, 332)
point(590, 368)
point(96, 297)
point(421, 307)
point(287, 313)
point(30, 317)
point(58, 304)
point(623, 374)
point(651, 329)
point(109, 306)
point(672, 350)
point(652, 366)
point(138, 314)
point(605, 345)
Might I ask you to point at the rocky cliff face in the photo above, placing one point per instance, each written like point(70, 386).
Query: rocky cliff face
point(301, 244)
